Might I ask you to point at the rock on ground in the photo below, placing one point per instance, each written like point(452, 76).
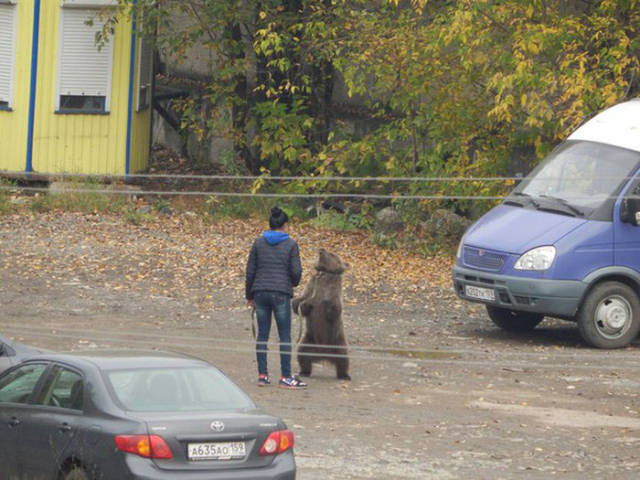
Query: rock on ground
point(388, 220)
point(445, 224)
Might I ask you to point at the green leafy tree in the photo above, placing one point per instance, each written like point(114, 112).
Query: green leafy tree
point(444, 88)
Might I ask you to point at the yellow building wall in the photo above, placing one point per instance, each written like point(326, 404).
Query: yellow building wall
point(70, 143)
point(14, 125)
point(140, 140)
point(80, 143)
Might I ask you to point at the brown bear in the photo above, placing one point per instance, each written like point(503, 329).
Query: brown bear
point(321, 305)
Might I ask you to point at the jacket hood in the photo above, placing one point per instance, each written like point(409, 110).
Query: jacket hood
point(274, 237)
point(516, 230)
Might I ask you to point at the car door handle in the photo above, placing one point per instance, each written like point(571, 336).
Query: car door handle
point(64, 427)
point(14, 422)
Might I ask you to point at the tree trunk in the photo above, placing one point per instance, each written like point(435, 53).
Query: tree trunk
point(321, 97)
point(241, 109)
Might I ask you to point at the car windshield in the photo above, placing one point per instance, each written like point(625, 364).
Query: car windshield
point(581, 174)
point(177, 389)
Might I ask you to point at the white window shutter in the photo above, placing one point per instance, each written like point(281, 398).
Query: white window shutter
point(89, 3)
point(84, 68)
point(7, 50)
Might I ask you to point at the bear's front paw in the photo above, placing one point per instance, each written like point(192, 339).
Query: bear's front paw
point(305, 309)
point(295, 304)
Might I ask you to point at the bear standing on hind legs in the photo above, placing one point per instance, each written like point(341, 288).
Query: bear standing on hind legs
point(321, 305)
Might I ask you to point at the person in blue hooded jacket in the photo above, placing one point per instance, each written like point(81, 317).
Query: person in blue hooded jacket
point(273, 269)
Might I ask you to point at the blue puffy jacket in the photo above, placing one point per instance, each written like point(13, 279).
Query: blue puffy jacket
point(273, 265)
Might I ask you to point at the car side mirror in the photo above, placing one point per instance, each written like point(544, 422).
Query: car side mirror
point(630, 211)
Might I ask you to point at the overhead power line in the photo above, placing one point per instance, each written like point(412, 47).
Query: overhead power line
point(301, 178)
point(194, 193)
point(510, 363)
point(386, 353)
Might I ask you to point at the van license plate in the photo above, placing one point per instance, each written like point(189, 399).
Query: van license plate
point(480, 293)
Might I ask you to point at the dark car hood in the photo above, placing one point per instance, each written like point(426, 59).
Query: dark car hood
point(12, 353)
point(21, 350)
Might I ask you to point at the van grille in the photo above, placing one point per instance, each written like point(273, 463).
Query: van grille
point(475, 257)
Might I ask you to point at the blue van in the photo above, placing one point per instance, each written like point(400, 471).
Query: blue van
point(566, 242)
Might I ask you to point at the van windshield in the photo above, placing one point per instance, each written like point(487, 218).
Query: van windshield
point(580, 176)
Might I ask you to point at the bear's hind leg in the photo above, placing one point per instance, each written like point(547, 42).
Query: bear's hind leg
point(305, 361)
point(342, 365)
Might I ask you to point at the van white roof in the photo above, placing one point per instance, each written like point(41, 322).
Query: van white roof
point(618, 125)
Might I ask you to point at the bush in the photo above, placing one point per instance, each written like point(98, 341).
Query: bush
point(137, 217)
point(385, 240)
point(65, 196)
point(343, 222)
point(162, 204)
point(42, 204)
point(5, 203)
point(243, 207)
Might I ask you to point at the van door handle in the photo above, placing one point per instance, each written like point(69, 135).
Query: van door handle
point(64, 427)
point(14, 422)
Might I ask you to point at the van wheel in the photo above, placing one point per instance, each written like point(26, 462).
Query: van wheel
point(512, 321)
point(609, 316)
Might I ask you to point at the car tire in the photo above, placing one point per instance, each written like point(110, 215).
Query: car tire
point(610, 316)
point(76, 473)
point(513, 321)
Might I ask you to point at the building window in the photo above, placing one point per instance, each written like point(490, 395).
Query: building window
point(82, 103)
point(8, 28)
point(145, 73)
point(84, 67)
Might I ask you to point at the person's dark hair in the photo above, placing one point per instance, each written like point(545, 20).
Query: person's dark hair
point(278, 218)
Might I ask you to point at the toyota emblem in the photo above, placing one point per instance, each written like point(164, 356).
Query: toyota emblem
point(217, 426)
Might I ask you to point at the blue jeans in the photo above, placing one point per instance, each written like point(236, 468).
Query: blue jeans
point(280, 305)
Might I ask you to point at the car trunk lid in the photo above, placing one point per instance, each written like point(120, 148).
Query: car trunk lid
point(206, 441)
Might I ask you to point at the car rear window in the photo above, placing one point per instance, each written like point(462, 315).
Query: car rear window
point(181, 389)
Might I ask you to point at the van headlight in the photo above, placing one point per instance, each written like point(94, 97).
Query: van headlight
point(539, 258)
point(459, 252)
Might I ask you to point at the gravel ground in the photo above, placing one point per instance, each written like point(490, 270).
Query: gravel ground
point(437, 393)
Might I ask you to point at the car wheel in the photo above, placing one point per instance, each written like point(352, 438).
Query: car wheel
point(513, 321)
point(76, 473)
point(609, 316)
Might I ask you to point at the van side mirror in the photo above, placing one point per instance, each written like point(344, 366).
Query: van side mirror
point(630, 211)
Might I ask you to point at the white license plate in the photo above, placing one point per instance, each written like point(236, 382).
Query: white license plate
point(480, 293)
point(217, 451)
